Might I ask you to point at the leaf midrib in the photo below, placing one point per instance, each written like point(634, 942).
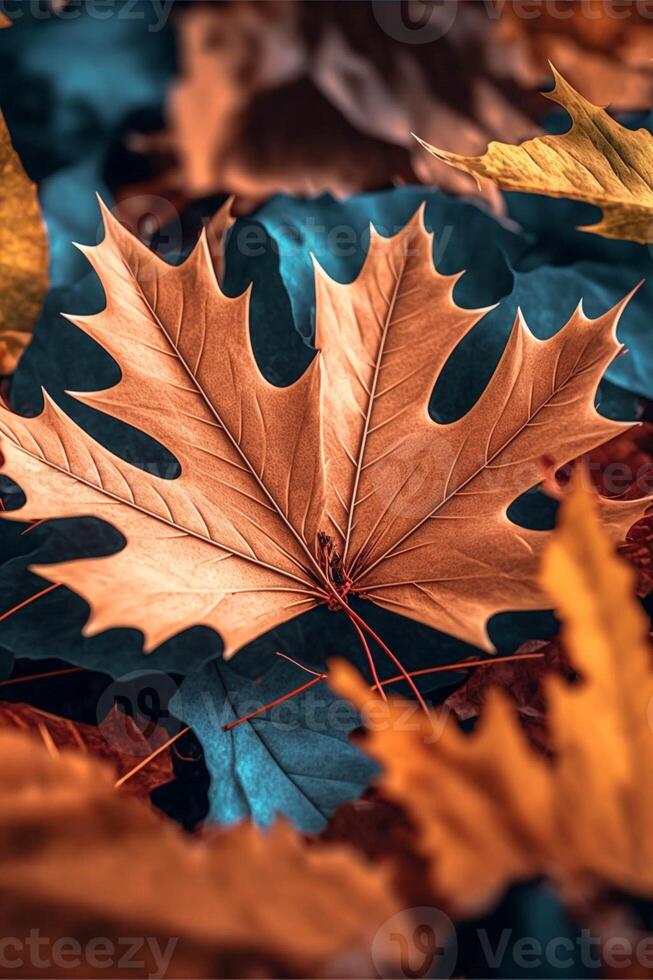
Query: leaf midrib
point(370, 409)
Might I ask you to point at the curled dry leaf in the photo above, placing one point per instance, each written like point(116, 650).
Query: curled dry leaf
point(623, 467)
point(23, 255)
point(597, 161)
point(382, 832)
point(489, 808)
point(79, 860)
point(117, 738)
point(256, 77)
point(338, 485)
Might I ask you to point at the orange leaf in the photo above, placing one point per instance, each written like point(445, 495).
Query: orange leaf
point(489, 808)
point(23, 254)
point(77, 857)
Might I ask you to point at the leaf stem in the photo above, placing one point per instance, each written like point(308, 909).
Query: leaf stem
point(463, 665)
point(297, 663)
point(458, 665)
point(26, 602)
point(273, 704)
point(38, 677)
point(145, 762)
point(360, 622)
point(370, 659)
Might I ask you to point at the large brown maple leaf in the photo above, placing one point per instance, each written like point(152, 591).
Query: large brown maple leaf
point(340, 484)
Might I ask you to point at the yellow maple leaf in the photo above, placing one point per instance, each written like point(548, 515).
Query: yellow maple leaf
point(489, 808)
point(597, 161)
point(23, 255)
point(337, 485)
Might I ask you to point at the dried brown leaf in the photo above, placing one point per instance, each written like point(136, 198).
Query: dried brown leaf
point(118, 739)
point(523, 680)
point(605, 52)
point(340, 484)
point(257, 77)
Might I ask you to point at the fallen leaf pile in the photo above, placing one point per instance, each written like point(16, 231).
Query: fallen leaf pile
point(306, 444)
point(489, 808)
point(363, 76)
point(255, 76)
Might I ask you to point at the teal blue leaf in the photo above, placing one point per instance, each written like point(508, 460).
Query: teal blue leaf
point(295, 759)
point(537, 259)
point(64, 107)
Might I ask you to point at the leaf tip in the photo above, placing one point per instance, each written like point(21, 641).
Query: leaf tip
point(433, 150)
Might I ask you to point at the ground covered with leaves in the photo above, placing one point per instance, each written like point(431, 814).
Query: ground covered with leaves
point(326, 485)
